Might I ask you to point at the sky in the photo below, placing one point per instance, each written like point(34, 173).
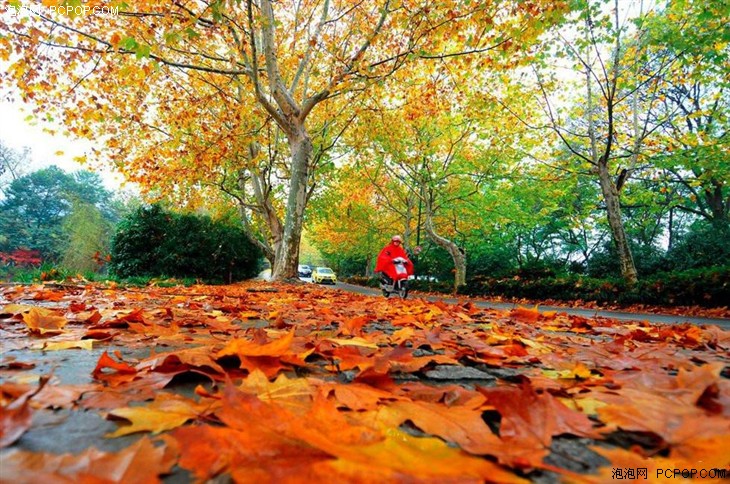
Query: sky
point(17, 133)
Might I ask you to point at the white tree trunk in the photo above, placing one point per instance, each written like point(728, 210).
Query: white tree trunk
point(287, 258)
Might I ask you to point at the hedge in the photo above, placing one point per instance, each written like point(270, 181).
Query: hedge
point(708, 287)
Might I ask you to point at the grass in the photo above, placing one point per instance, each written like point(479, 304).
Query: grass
point(50, 272)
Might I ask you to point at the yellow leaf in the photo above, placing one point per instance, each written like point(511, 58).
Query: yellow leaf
point(165, 413)
point(403, 334)
point(353, 342)
point(535, 345)
point(464, 317)
point(86, 344)
point(579, 372)
point(16, 309)
point(44, 321)
point(589, 406)
point(293, 394)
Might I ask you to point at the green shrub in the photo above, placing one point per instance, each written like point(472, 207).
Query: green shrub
point(703, 287)
point(153, 242)
point(362, 281)
point(698, 287)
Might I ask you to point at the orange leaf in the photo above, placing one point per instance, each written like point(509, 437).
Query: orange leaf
point(353, 326)
point(242, 347)
point(44, 321)
point(140, 462)
point(253, 456)
point(462, 426)
point(15, 419)
point(530, 420)
point(185, 359)
point(122, 371)
point(525, 315)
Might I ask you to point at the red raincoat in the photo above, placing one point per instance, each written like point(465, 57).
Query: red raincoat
point(385, 261)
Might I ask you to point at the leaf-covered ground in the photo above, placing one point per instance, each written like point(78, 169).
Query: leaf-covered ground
point(268, 382)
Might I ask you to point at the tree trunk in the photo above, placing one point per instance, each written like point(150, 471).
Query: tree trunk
point(263, 206)
point(457, 255)
point(613, 211)
point(287, 258)
point(609, 189)
point(718, 204)
point(369, 266)
point(248, 231)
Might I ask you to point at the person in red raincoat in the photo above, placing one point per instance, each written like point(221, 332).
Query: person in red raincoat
point(384, 264)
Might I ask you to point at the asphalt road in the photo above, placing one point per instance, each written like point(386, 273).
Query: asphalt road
point(723, 323)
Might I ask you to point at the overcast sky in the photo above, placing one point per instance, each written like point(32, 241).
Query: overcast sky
point(18, 133)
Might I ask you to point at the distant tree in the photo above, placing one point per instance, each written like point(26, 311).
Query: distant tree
point(87, 235)
point(36, 205)
point(11, 165)
point(704, 245)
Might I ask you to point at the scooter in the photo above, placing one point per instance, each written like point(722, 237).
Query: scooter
point(399, 284)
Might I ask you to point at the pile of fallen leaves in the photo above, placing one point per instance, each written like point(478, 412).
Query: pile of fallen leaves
point(299, 383)
point(693, 311)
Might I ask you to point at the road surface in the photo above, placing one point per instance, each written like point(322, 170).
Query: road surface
point(723, 323)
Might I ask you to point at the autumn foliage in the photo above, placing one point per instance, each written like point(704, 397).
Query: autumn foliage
point(21, 257)
point(298, 383)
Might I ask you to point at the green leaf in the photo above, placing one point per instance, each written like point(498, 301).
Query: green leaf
point(143, 51)
point(172, 37)
point(128, 43)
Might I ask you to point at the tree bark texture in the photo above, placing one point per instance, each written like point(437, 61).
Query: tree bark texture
point(287, 259)
point(615, 222)
point(456, 253)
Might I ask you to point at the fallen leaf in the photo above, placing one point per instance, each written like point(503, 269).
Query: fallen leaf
point(86, 344)
point(166, 412)
point(140, 462)
point(44, 321)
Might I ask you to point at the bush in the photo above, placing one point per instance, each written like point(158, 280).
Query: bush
point(363, 281)
point(702, 287)
point(18, 262)
point(698, 287)
point(153, 242)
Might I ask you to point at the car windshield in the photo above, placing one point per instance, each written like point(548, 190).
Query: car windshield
point(324, 270)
